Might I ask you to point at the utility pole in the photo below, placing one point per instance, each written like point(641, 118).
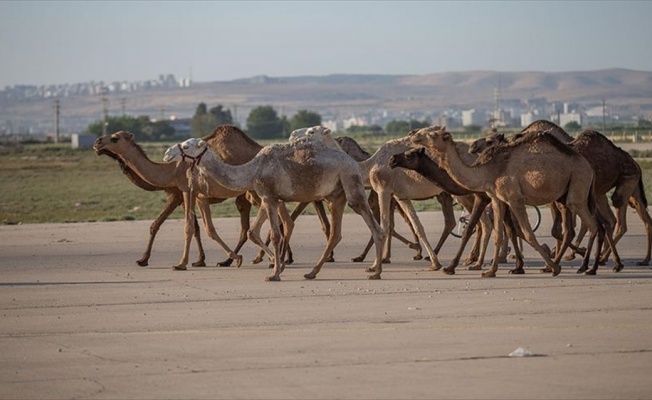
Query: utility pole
point(123, 101)
point(235, 115)
point(57, 110)
point(105, 106)
point(603, 116)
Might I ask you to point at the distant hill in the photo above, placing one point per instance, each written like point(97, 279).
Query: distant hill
point(342, 95)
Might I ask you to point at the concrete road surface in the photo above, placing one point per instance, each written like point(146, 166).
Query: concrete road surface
point(81, 320)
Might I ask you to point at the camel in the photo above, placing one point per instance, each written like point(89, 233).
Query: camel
point(402, 186)
point(235, 147)
point(405, 185)
point(304, 171)
point(167, 175)
point(417, 160)
point(174, 199)
point(353, 149)
point(614, 169)
point(536, 170)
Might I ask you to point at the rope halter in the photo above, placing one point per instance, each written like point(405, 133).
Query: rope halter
point(195, 160)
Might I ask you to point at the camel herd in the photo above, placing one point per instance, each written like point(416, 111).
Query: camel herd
point(541, 165)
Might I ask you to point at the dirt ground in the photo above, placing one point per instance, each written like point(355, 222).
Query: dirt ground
point(81, 320)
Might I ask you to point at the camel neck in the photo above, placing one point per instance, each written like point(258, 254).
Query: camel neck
point(466, 176)
point(157, 174)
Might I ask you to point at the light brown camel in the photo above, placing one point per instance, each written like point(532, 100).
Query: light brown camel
point(172, 176)
point(174, 198)
point(404, 185)
point(354, 150)
point(304, 171)
point(534, 171)
point(614, 169)
point(235, 147)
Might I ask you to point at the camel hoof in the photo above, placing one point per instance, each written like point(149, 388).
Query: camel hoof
point(238, 261)
point(643, 263)
point(517, 271)
point(417, 257)
point(374, 277)
point(198, 264)
point(569, 257)
point(556, 270)
point(357, 259)
point(475, 268)
point(619, 268)
point(387, 261)
point(469, 262)
point(435, 267)
point(370, 269)
point(602, 262)
point(142, 263)
point(180, 268)
point(545, 270)
point(582, 270)
point(225, 263)
point(273, 278)
point(449, 271)
point(289, 261)
point(489, 274)
point(257, 260)
point(330, 259)
point(310, 276)
point(591, 272)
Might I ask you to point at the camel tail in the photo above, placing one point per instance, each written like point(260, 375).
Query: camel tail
point(641, 188)
point(591, 199)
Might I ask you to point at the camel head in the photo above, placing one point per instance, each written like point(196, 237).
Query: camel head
point(113, 145)
point(408, 159)
point(190, 151)
point(318, 132)
point(491, 140)
point(434, 138)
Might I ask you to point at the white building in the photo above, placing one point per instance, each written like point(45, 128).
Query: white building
point(473, 117)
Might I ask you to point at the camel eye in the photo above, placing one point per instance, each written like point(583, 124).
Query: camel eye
point(114, 139)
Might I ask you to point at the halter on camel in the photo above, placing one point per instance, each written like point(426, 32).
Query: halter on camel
point(195, 160)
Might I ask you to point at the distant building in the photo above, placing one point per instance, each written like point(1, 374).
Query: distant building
point(473, 117)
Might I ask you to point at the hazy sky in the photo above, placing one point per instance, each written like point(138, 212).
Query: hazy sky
point(68, 42)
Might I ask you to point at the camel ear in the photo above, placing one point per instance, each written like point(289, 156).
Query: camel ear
point(130, 135)
point(446, 135)
point(422, 150)
point(201, 143)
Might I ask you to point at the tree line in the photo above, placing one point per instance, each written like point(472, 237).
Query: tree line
point(263, 122)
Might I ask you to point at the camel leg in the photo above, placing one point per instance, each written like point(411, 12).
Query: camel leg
point(611, 223)
point(479, 205)
point(414, 245)
point(446, 202)
point(567, 232)
point(607, 235)
point(512, 231)
point(520, 214)
point(244, 209)
point(337, 206)
point(253, 233)
point(189, 229)
point(359, 205)
point(637, 201)
point(288, 228)
point(325, 225)
point(172, 203)
point(484, 232)
point(205, 209)
point(271, 207)
point(407, 206)
point(499, 212)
